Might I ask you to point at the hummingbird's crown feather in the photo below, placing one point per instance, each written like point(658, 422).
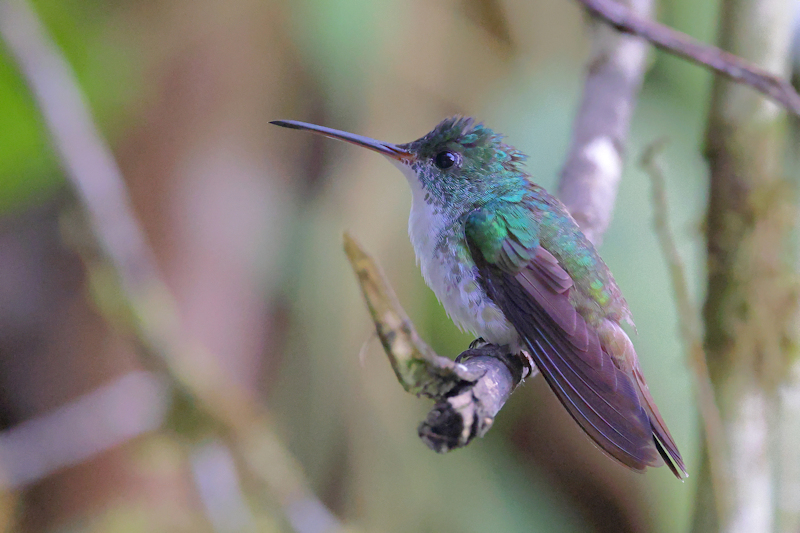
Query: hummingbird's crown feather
point(467, 135)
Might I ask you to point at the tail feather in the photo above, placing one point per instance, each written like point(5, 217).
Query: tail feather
point(663, 439)
point(617, 342)
point(668, 461)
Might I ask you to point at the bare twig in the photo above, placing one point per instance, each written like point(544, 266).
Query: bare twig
point(682, 45)
point(468, 393)
point(593, 168)
point(264, 463)
point(689, 321)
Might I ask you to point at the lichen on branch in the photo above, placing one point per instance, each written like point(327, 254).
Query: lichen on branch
point(469, 392)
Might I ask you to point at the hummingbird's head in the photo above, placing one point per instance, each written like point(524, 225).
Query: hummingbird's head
point(460, 161)
point(463, 158)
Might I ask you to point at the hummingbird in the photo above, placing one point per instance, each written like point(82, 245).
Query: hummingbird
point(509, 263)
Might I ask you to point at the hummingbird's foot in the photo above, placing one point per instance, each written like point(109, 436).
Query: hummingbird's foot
point(480, 342)
point(480, 347)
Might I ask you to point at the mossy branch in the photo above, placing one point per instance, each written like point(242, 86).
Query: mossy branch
point(418, 368)
point(469, 392)
point(751, 306)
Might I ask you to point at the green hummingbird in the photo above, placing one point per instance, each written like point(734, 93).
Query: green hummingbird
point(509, 264)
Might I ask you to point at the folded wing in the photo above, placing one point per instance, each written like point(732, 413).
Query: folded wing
point(608, 400)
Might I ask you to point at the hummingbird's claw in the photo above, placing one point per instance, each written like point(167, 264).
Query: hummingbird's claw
point(478, 343)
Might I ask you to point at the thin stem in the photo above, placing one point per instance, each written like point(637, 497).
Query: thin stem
point(689, 320)
point(682, 45)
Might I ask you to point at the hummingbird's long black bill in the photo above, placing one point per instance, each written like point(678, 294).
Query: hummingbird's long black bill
point(387, 149)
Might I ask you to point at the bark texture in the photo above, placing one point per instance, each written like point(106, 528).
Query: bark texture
point(750, 310)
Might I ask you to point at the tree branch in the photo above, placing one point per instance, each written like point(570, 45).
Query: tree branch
point(469, 391)
point(751, 306)
point(677, 43)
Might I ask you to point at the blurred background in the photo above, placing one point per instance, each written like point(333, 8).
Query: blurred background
point(246, 220)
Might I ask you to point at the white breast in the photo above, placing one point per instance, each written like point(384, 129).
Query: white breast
point(452, 279)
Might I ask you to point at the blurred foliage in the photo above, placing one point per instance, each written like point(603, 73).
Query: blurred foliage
point(26, 164)
point(29, 170)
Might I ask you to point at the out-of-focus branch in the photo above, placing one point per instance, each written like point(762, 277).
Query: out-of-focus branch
point(788, 496)
point(689, 322)
point(724, 63)
point(590, 177)
point(265, 465)
point(591, 173)
point(751, 306)
point(468, 393)
point(36, 448)
point(588, 187)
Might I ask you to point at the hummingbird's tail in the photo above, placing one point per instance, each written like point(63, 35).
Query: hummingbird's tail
point(661, 436)
point(617, 343)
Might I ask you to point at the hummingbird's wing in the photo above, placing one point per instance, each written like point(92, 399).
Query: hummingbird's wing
point(606, 399)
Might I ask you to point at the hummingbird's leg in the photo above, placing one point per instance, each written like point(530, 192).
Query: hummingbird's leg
point(487, 349)
point(480, 346)
point(477, 343)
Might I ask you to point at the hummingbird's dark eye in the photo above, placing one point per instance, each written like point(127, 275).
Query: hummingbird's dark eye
point(445, 159)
